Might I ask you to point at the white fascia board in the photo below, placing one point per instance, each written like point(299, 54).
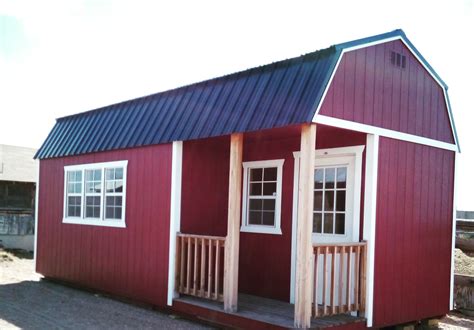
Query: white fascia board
point(35, 252)
point(373, 43)
point(453, 238)
point(350, 125)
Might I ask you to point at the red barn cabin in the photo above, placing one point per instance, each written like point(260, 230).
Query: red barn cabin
point(311, 192)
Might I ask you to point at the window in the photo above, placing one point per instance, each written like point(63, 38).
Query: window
point(262, 196)
point(329, 212)
point(95, 194)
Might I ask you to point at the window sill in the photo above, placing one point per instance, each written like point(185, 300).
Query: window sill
point(93, 222)
point(261, 230)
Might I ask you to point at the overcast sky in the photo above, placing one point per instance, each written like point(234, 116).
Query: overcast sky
point(62, 57)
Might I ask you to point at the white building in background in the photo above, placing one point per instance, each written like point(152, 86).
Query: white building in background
point(18, 171)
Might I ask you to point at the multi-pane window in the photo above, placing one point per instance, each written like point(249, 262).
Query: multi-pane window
point(329, 211)
point(95, 194)
point(74, 193)
point(113, 193)
point(262, 196)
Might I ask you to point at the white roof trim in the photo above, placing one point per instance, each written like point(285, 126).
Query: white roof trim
point(350, 125)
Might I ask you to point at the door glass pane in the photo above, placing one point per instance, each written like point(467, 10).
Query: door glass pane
point(318, 178)
point(329, 178)
point(318, 201)
point(328, 223)
point(340, 223)
point(317, 223)
point(341, 200)
point(328, 200)
point(341, 177)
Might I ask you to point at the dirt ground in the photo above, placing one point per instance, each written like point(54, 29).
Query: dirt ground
point(28, 303)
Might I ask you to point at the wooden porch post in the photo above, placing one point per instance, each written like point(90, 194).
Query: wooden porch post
point(231, 260)
point(304, 247)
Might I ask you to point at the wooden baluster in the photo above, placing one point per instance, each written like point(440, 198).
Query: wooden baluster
point(363, 277)
point(209, 270)
point(348, 289)
point(188, 269)
point(217, 269)
point(195, 267)
point(177, 264)
point(356, 273)
point(325, 283)
point(203, 268)
point(316, 284)
point(341, 280)
point(333, 280)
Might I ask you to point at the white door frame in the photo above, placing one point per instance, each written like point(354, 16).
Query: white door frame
point(320, 153)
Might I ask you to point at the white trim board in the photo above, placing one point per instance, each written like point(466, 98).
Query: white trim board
point(370, 208)
point(350, 125)
point(175, 215)
point(453, 238)
point(377, 42)
point(35, 251)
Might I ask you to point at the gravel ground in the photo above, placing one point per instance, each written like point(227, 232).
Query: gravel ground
point(28, 303)
point(463, 263)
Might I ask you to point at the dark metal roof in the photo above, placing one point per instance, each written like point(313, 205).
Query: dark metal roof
point(274, 95)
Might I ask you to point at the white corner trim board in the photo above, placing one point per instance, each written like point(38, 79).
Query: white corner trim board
point(453, 238)
point(350, 125)
point(175, 215)
point(35, 252)
point(370, 207)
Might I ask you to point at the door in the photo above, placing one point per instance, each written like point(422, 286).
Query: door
point(336, 207)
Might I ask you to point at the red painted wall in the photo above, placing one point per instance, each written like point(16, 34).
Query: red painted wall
point(265, 260)
point(368, 89)
point(413, 232)
point(130, 262)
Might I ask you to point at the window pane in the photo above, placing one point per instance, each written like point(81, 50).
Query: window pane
point(269, 189)
point(118, 201)
point(269, 218)
point(77, 188)
point(255, 204)
point(109, 201)
point(109, 173)
point(118, 213)
point(340, 223)
point(328, 223)
point(255, 174)
point(270, 174)
point(328, 200)
point(341, 177)
point(109, 186)
point(341, 200)
point(89, 187)
point(255, 217)
point(318, 178)
point(318, 201)
point(119, 186)
point(317, 223)
point(109, 212)
point(97, 187)
point(119, 173)
point(97, 175)
point(79, 176)
point(256, 189)
point(330, 173)
point(70, 187)
point(269, 204)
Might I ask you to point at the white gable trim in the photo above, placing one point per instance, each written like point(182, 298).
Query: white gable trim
point(377, 42)
point(351, 125)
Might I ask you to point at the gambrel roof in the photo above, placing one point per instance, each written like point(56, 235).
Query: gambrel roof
point(283, 93)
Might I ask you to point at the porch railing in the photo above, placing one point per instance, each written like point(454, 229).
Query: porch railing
point(339, 278)
point(199, 266)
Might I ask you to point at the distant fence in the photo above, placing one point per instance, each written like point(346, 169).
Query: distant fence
point(17, 223)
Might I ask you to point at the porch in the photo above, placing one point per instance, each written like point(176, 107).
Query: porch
point(264, 261)
point(338, 282)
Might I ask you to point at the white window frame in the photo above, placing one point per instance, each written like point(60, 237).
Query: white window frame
point(262, 229)
point(82, 220)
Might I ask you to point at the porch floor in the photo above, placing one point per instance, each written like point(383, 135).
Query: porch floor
point(270, 312)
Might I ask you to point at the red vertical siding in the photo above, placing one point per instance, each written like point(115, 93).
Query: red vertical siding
point(265, 260)
point(413, 232)
point(368, 89)
point(130, 262)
